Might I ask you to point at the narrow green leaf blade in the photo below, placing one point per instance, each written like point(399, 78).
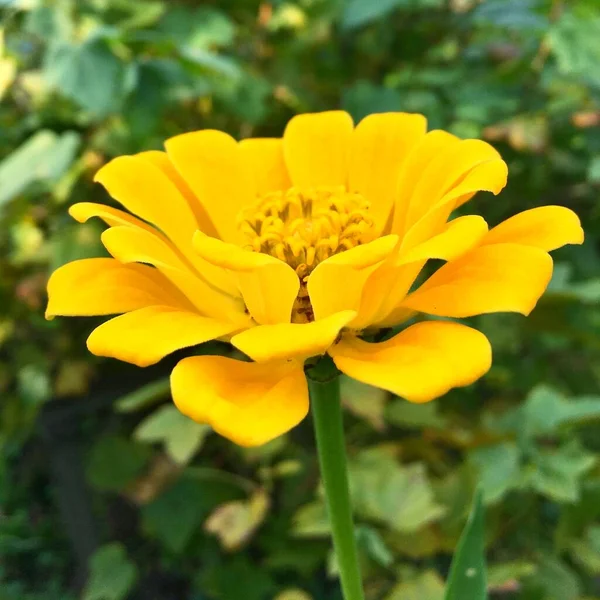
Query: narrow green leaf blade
point(467, 577)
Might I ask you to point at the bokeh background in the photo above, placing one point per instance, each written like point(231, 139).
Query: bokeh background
point(107, 493)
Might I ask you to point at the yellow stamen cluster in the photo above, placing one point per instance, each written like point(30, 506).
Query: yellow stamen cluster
point(304, 227)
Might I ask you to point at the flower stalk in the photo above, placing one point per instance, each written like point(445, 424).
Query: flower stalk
point(326, 406)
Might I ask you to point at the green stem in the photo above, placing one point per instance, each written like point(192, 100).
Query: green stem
point(329, 430)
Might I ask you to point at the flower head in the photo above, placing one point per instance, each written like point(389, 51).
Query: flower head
point(296, 247)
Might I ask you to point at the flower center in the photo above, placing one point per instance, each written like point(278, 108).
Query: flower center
point(303, 228)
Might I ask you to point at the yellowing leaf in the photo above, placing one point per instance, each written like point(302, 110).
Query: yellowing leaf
point(293, 595)
point(235, 522)
point(428, 586)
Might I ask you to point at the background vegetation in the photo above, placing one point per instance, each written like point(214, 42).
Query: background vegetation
point(95, 463)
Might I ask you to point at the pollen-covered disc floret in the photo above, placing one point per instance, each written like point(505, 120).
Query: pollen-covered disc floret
point(303, 228)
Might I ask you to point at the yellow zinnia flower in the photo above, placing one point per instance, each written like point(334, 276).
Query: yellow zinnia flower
point(296, 247)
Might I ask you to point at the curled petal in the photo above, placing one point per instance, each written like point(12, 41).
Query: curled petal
point(113, 217)
point(457, 237)
point(447, 171)
point(488, 176)
point(420, 157)
point(337, 283)
point(163, 162)
point(496, 278)
point(388, 285)
point(248, 403)
point(131, 245)
point(546, 227)
point(421, 363)
point(268, 285)
point(104, 286)
point(291, 340)
point(146, 191)
point(144, 336)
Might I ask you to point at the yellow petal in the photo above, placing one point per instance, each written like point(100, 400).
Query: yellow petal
point(498, 278)
point(211, 164)
point(337, 283)
point(291, 340)
point(457, 237)
point(388, 285)
point(316, 148)
point(269, 286)
point(129, 245)
point(446, 172)
point(162, 161)
point(144, 336)
point(380, 144)
point(104, 286)
point(248, 403)
point(264, 157)
point(83, 211)
point(425, 152)
point(546, 227)
point(146, 191)
point(489, 176)
point(421, 363)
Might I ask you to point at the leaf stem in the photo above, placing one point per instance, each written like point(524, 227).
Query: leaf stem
point(329, 431)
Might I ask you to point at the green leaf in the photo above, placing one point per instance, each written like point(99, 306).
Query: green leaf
point(361, 12)
point(558, 581)
point(201, 28)
point(175, 515)
point(88, 73)
point(74, 242)
point(143, 397)
point(115, 462)
point(112, 574)
point(364, 401)
point(558, 473)
point(399, 495)
point(574, 42)
point(586, 551)
point(510, 14)
point(239, 578)
point(414, 416)
point(49, 23)
point(34, 384)
point(593, 172)
point(370, 541)
point(181, 436)
point(502, 574)
point(311, 520)
point(499, 469)
point(44, 156)
point(363, 98)
point(467, 577)
point(545, 411)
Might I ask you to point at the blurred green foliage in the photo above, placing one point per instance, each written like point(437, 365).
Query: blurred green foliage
point(183, 514)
